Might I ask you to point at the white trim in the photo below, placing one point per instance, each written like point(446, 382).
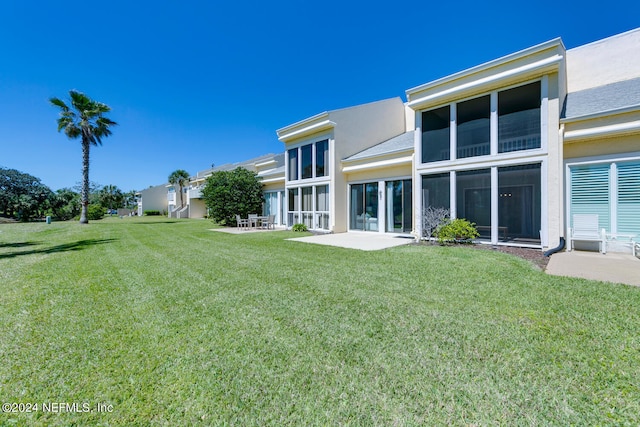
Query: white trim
point(600, 114)
point(379, 164)
point(544, 113)
point(272, 180)
point(555, 43)
point(613, 196)
point(620, 157)
point(453, 191)
point(373, 156)
point(493, 123)
point(483, 162)
point(268, 162)
point(538, 66)
point(453, 131)
point(602, 131)
point(495, 219)
point(306, 131)
point(544, 204)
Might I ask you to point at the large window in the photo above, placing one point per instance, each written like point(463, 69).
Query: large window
point(473, 199)
point(293, 164)
point(322, 158)
point(590, 193)
point(473, 127)
point(610, 190)
point(436, 134)
point(309, 206)
point(308, 161)
point(322, 207)
point(294, 207)
point(518, 200)
point(519, 125)
point(436, 191)
point(519, 118)
point(628, 209)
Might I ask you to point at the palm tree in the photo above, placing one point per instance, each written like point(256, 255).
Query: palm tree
point(180, 178)
point(85, 119)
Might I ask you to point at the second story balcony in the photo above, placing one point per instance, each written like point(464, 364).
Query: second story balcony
point(195, 193)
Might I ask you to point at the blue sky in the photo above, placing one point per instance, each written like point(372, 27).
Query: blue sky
point(192, 83)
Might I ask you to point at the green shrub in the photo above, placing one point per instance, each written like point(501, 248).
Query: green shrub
point(95, 212)
point(151, 213)
point(299, 227)
point(458, 230)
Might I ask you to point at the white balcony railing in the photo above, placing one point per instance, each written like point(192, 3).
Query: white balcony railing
point(195, 193)
point(171, 197)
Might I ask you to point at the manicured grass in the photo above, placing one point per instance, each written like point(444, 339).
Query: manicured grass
point(173, 324)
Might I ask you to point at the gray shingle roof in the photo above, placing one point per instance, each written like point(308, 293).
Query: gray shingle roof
point(398, 143)
point(602, 98)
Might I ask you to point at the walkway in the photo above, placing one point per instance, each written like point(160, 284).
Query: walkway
point(612, 267)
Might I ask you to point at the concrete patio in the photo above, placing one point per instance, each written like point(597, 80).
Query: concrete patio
point(612, 267)
point(356, 240)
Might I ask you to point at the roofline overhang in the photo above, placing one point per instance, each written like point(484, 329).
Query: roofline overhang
point(554, 43)
point(272, 180)
point(602, 114)
point(382, 155)
point(549, 64)
point(380, 164)
point(305, 127)
point(606, 131)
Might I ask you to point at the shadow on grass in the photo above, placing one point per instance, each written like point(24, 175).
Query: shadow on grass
point(19, 244)
point(156, 222)
point(66, 247)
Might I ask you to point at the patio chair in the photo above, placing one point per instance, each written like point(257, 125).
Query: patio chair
point(269, 222)
point(242, 222)
point(253, 220)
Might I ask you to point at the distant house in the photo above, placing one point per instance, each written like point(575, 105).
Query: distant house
point(269, 167)
point(153, 199)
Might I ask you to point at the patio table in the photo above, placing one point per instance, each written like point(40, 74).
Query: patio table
point(256, 221)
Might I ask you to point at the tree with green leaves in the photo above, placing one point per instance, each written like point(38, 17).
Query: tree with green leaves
point(23, 195)
point(66, 204)
point(84, 119)
point(231, 193)
point(179, 178)
point(111, 197)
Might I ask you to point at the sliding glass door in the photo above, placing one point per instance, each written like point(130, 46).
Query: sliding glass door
point(398, 206)
point(364, 207)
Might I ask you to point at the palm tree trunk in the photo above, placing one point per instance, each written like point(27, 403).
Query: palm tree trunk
point(85, 182)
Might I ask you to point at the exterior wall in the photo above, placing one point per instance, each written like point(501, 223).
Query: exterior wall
point(554, 187)
point(602, 147)
point(602, 62)
point(359, 128)
point(380, 173)
point(153, 198)
point(197, 208)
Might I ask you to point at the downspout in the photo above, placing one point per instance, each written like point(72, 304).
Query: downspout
point(556, 249)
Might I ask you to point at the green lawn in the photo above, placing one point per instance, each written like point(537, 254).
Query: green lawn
point(173, 324)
